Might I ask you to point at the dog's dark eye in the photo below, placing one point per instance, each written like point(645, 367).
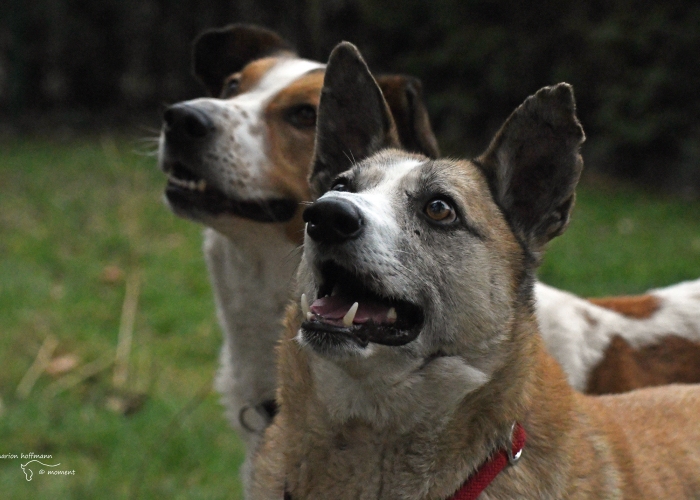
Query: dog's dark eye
point(302, 116)
point(231, 87)
point(340, 185)
point(440, 211)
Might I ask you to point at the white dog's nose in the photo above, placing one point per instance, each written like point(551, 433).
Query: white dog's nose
point(182, 123)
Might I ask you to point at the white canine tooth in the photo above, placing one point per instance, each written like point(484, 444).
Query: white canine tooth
point(335, 291)
point(391, 315)
point(192, 185)
point(350, 315)
point(309, 316)
point(202, 185)
point(305, 306)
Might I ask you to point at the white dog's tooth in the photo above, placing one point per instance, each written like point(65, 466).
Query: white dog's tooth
point(305, 306)
point(350, 315)
point(391, 315)
point(335, 291)
point(309, 316)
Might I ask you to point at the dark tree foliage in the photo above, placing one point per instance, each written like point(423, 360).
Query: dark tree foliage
point(635, 66)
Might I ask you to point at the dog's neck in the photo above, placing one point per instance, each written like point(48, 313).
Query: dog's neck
point(394, 393)
point(251, 266)
point(427, 454)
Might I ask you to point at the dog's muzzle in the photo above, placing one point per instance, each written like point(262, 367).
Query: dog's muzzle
point(351, 307)
point(192, 191)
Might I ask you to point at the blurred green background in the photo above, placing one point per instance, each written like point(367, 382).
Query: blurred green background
point(87, 248)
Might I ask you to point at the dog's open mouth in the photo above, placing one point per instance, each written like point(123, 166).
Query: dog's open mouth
point(189, 192)
point(347, 309)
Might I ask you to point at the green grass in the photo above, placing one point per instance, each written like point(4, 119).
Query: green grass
point(623, 241)
point(69, 210)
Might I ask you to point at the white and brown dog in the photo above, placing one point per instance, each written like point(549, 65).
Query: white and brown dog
point(617, 344)
point(414, 368)
point(238, 163)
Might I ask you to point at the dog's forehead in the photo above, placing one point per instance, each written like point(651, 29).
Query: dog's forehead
point(388, 169)
point(264, 79)
point(394, 169)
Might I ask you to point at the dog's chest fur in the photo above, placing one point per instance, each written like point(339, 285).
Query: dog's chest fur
point(235, 270)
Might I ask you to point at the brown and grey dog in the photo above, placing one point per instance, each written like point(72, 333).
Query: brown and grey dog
point(238, 163)
point(415, 348)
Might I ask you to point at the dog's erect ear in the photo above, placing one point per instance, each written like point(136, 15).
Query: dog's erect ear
point(533, 165)
point(353, 121)
point(404, 94)
point(218, 53)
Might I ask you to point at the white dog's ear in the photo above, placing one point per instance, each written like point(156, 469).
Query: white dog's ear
point(404, 95)
point(354, 120)
point(533, 165)
point(218, 53)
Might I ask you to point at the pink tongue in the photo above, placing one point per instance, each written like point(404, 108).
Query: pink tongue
point(336, 307)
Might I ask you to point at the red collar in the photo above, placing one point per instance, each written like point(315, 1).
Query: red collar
point(490, 469)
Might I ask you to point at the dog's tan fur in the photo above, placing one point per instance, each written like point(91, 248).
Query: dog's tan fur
point(347, 429)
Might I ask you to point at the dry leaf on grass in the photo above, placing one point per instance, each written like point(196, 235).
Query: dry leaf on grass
point(62, 364)
point(112, 275)
point(126, 404)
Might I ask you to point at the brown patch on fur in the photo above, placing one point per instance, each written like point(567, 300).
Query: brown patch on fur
point(623, 368)
point(253, 73)
point(291, 148)
point(633, 306)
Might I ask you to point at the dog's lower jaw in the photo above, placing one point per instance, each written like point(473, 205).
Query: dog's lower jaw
point(334, 345)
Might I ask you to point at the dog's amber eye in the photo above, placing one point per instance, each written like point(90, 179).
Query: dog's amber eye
point(440, 211)
point(232, 86)
point(302, 116)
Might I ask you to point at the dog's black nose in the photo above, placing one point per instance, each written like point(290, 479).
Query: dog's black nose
point(333, 220)
point(185, 122)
